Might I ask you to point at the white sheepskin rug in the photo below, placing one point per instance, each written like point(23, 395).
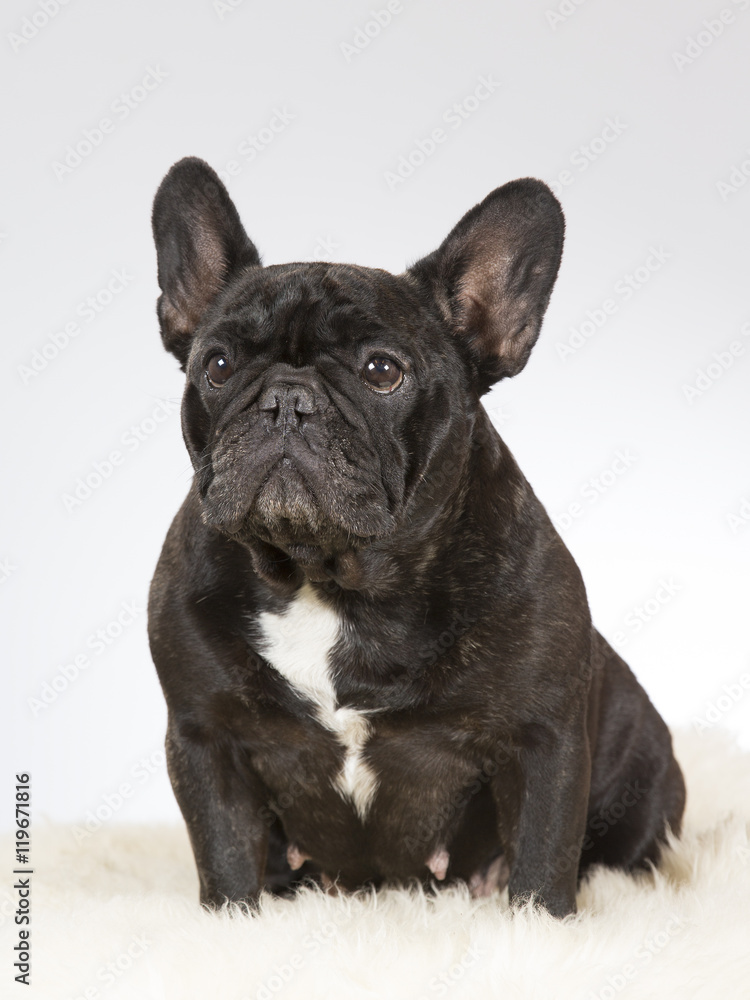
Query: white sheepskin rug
point(118, 917)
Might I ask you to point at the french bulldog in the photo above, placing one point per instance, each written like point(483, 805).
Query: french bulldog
point(376, 651)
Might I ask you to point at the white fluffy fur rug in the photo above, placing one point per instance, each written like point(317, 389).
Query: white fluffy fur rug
point(118, 917)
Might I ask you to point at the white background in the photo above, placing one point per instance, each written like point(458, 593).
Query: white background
point(319, 188)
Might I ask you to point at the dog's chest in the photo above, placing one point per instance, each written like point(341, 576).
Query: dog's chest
point(298, 644)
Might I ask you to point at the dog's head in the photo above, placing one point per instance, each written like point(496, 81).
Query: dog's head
point(322, 398)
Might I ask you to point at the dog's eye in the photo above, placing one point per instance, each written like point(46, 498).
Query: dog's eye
point(218, 370)
point(382, 374)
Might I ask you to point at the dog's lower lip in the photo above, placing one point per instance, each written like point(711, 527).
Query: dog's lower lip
point(283, 463)
point(304, 553)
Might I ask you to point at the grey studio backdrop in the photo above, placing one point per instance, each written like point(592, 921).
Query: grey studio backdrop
point(362, 132)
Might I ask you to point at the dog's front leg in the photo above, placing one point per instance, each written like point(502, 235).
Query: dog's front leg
point(542, 818)
point(223, 810)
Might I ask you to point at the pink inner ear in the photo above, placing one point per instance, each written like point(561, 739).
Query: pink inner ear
point(480, 297)
point(200, 245)
point(185, 306)
point(480, 320)
point(497, 268)
point(211, 271)
point(211, 255)
point(495, 323)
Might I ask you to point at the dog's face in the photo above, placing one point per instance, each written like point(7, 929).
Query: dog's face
point(321, 398)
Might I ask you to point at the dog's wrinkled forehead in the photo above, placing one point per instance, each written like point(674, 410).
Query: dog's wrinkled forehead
point(293, 311)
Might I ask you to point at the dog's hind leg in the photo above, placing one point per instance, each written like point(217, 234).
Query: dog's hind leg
point(637, 789)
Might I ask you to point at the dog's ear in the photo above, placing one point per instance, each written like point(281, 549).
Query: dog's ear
point(493, 275)
point(200, 245)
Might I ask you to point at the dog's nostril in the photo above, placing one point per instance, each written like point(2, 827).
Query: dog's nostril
point(304, 402)
point(269, 401)
point(292, 400)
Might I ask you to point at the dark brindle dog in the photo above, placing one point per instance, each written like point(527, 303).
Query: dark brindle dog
point(376, 651)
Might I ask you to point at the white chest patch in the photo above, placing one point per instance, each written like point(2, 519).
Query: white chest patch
point(297, 643)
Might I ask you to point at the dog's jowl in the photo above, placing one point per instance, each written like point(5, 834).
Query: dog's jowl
point(376, 651)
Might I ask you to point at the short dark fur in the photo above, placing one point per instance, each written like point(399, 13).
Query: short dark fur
point(505, 724)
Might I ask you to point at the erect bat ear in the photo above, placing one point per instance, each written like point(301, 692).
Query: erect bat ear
point(493, 275)
point(200, 246)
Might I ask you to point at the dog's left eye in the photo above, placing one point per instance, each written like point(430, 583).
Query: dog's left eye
point(382, 374)
point(219, 370)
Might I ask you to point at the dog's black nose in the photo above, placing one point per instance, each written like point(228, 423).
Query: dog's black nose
point(288, 404)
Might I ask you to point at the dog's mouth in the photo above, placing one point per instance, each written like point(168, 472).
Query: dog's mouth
point(289, 528)
point(296, 502)
point(286, 505)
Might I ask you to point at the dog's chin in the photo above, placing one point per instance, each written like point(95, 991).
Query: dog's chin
point(286, 512)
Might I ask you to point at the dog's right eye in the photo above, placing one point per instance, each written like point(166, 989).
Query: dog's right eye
point(219, 370)
point(382, 374)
